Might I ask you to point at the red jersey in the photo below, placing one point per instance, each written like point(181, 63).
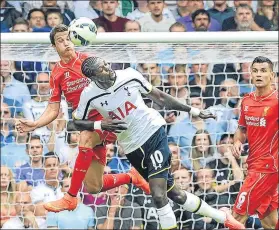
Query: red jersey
point(68, 79)
point(260, 117)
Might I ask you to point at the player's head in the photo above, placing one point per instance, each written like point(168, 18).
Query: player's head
point(262, 72)
point(99, 71)
point(60, 40)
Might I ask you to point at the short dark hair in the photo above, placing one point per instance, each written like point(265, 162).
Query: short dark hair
point(261, 59)
point(89, 66)
point(198, 12)
point(49, 155)
point(31, 138)
point(57, 29)
point(34, 10)
point(177, 24)
point(54, 11)
point(21, 21)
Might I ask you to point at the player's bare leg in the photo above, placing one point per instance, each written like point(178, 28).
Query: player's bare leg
point(270, 221)
point(158, 187)
point(95, 181)
point(241, 218)
point(192, 203)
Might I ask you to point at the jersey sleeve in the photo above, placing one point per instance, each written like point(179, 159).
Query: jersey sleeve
point(55, 88)
point(81, 112)
point(145, 86)
point(241, 121)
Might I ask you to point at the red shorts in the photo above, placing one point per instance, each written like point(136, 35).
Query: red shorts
point(258, 195)
point(105, 136)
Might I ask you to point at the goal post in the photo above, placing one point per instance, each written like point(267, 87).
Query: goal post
point(225, 50)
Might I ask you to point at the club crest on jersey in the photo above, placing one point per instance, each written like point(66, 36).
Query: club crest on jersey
point(265, 111)
point(66, 75)
point(246, 108)
point(121, 113)
point(127, 89)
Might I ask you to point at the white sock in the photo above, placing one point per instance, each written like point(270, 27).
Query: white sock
point(166, 217)
point(198, 206)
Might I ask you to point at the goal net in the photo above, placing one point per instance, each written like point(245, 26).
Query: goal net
point(208, 71)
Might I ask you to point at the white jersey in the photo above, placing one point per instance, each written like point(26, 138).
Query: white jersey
point(123, 102)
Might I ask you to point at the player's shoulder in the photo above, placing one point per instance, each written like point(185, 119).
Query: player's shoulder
point(275, 95)
point(247, 97)
point(82, 56)
point(57, 71)
point(128, 74)
point(91, 90)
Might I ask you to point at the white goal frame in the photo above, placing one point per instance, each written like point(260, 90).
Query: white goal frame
point(153, 37)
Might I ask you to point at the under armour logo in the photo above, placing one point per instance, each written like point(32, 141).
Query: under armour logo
point(127, 89)
point(105, 103)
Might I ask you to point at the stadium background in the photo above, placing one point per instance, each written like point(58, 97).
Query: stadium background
point(200, 162)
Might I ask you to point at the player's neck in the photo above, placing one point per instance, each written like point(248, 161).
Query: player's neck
point(67, 59)
point(263, 91)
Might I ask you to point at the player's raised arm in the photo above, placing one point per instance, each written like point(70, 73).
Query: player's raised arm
point(48, 116)
point(165, 100)
point(171, 103)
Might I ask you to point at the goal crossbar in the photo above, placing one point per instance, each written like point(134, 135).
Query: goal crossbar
point(152, 37)
point(179, 48)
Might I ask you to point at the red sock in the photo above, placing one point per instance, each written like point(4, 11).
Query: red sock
point(114, 180)
point(82, 164)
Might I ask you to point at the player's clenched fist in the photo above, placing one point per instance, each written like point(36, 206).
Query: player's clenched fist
point(25, 126)
point(113, 126)
point(206, 114)
point(236, 149)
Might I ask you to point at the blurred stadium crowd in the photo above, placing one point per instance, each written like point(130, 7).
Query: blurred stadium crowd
point(36, 168)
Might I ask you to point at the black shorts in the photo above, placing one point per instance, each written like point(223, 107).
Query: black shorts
point(153, 158)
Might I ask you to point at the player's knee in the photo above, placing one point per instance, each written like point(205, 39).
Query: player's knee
point(93, 188)
point(240, 218)
point(160, 198)
point(179, 197)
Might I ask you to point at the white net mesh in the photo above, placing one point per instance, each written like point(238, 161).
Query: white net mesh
point(227, 78)
point(153, 53)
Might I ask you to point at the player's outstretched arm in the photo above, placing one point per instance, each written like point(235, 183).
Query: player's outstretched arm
point(108, 125)
point(48, 116)
point(171, 103)
point(239, 140)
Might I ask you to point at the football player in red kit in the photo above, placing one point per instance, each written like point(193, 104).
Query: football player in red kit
point(258, 123)
point(66, 78)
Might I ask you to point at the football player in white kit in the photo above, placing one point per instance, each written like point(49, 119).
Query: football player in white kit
point(117, 96)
